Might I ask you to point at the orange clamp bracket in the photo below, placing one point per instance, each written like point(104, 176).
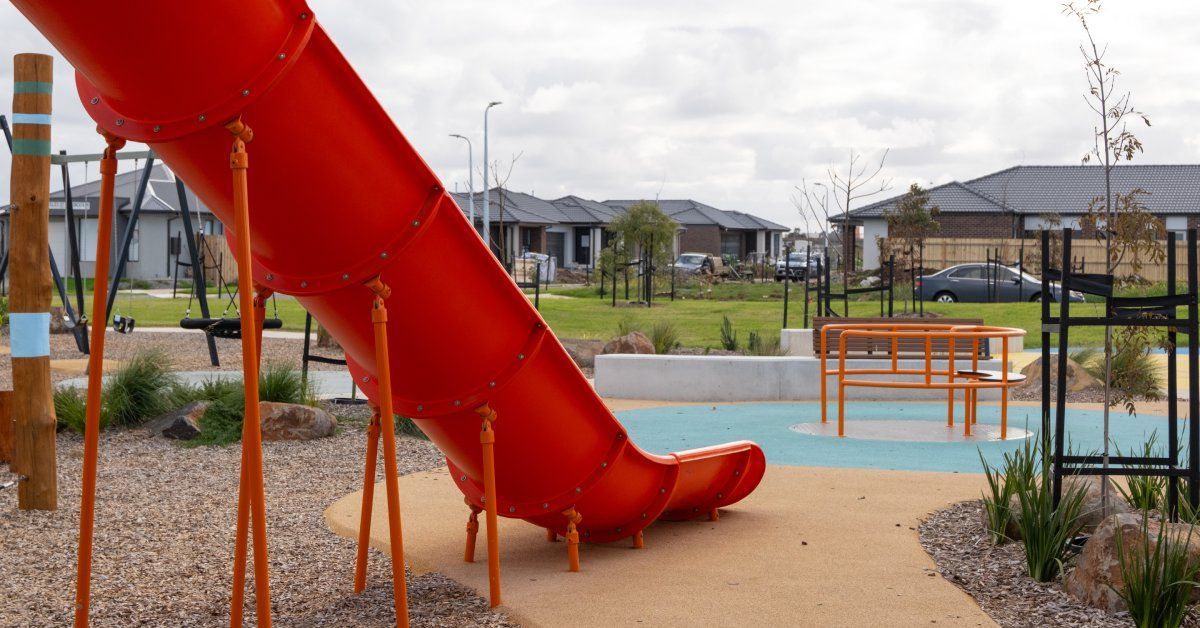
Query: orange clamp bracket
point(573, 519)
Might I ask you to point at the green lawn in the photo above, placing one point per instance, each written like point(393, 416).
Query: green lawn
point(584, 315)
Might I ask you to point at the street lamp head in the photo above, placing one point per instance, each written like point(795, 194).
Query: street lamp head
point(458, 136)
point(494, 103)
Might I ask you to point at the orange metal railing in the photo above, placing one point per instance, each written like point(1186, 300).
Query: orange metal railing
point(956, 338)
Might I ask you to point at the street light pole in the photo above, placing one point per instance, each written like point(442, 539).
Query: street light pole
point(487, 213)
point(470, 177)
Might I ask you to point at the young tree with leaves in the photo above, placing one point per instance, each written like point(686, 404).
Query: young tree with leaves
point(910, 222)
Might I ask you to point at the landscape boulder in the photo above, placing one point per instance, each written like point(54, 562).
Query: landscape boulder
point(289, 421)
point(633, 342)
point(1078, 379)
point(180, 424)
point(58, 320)
point(1097, 574)
point(583, 351)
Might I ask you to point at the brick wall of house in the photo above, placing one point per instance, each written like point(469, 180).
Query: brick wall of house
point(701, 239)
point(975, 226)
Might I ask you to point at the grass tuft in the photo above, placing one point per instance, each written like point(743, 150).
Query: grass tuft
point(664, 336)
point(1159, 575)
point(729, 339)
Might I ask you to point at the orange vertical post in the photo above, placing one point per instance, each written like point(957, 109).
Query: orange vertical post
point(29, 277)
point(472, 533)
point(387, 419)
point(251, 493)
point(950, 391)
point(237, 600)
point(639, 541)
point(368, 501)
point(841, 385)
point(823, 375)
point(572, 536)
point(91, 430)
point(1004, 388)
point(487, 439)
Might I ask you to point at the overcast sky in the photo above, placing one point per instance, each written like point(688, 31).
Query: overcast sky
point(733, 103)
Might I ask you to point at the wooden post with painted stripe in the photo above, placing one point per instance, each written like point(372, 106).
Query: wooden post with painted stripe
point(30, 292)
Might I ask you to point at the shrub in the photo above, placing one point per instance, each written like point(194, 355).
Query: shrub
point(222, 421)
point(757, 345)
point(3, 311)
point(1045, 528)
point(1017, 472)
point(70, 406)
point(627, 325)
point(1145, 492)
point(729, 341)
point(140, 389)
point(1159, 575)
point(1134, 373)
point(665, 336)
point(283, 384)
point(407, 427)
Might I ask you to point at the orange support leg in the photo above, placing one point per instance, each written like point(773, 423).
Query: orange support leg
point(551, 536)
point(638, 541)
point(487, 439)
point(824, 377)
point(713, 515)
point(91, 432)
point(388, 427)
point(237, 603)
point(251, 492)
point(368, 502)
point(572, 536)
point(472, 533)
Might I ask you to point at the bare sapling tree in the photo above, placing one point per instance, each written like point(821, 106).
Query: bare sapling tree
point(497, 166)
point(1119, 219)
point(860, 180)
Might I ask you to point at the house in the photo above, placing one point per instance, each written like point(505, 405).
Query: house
point(157, 240)
point(1020, 201)
point(573, 230)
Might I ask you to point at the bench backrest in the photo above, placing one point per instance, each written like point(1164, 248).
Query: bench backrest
point(880, 348)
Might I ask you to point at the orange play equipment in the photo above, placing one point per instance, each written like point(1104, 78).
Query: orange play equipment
point(948, 341)
point(256, 109)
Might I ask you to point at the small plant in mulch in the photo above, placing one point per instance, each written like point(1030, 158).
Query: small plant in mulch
point(757, 344)
point(1004, 484)
point(1144, 492)
point(1159, 574)
point(222, 421)
point(1045, 528)
point(729, 339)
point(665, 337)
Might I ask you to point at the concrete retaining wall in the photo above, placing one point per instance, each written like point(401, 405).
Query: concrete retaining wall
point(799, 342)
point(747, 378)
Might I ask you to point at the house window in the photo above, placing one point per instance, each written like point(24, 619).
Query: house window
point(87, 239)
point(776, 241)
point(731, 244)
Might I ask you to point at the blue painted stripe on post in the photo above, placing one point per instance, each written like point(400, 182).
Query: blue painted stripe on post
point(35, 148)
point(31, 118)
point(30, 334)
point(33, 87)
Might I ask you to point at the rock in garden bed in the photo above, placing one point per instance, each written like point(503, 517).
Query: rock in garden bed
point(1097, 575)
point(180, 424)
point(289, 421)
point(633, 342)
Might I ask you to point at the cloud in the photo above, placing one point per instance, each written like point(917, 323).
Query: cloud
point(733, 103)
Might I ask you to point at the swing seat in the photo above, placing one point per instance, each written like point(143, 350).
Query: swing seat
point(225, 327)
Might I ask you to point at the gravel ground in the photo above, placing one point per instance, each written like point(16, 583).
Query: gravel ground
point(996, 577)
point(164, 538)
point(188, 352)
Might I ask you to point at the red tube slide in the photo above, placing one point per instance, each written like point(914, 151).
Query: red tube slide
point(338, 197)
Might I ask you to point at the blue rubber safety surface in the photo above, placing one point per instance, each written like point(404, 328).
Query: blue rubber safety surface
point(667, 429)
